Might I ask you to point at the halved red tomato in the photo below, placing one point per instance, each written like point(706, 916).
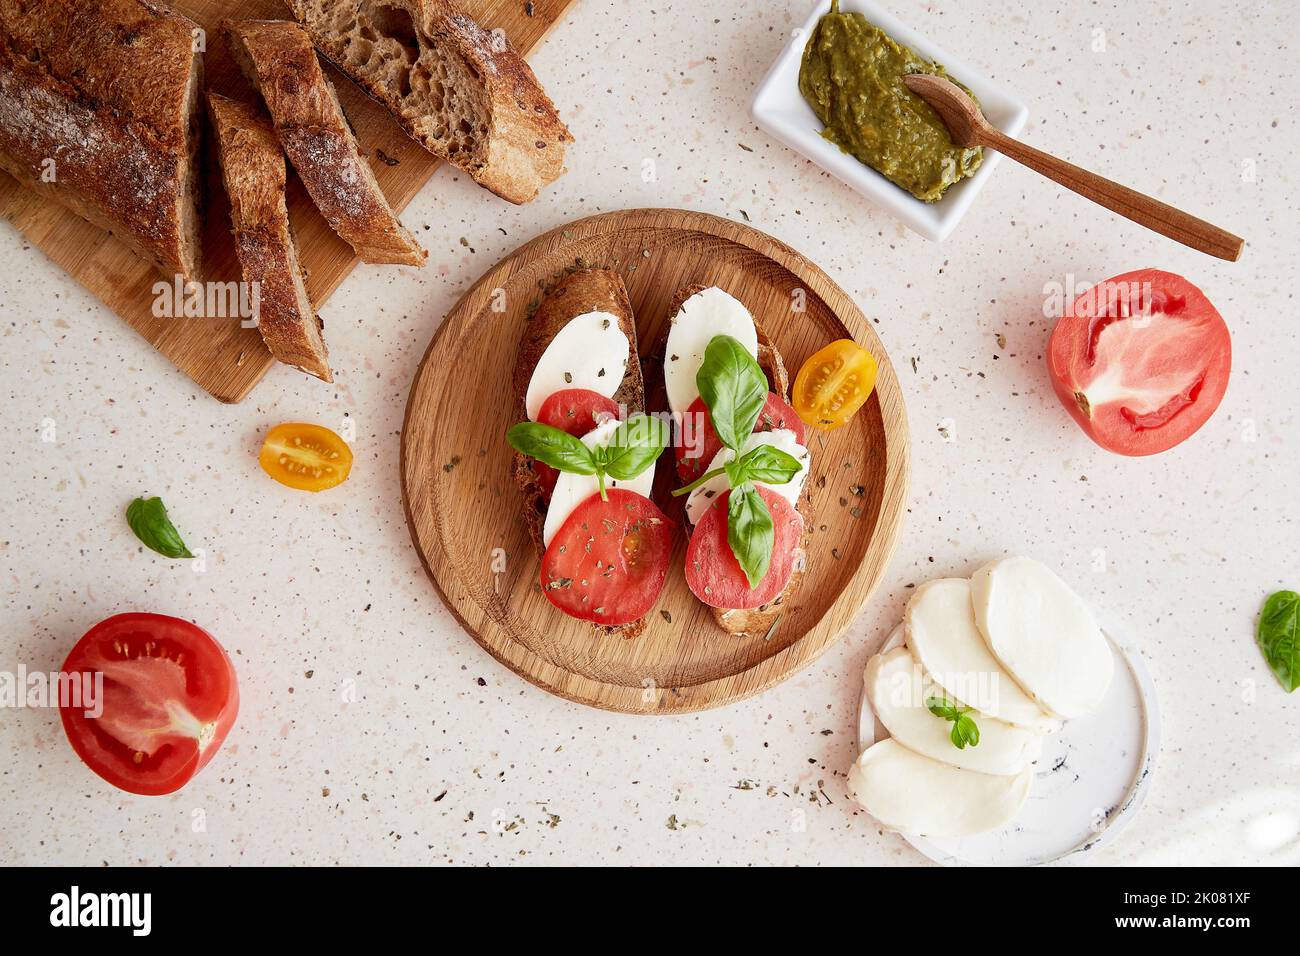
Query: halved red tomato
point(697, 443)
point(712, 571)
point(169, 699)
point(1141, 361)
point(576, 411)
point(608, 561)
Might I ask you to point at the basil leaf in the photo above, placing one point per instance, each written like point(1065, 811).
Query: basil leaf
point(148, 519)
point(634, 446)
point(940, 707)
point(750, 532)
point(734, 389)
point(1279, 637)
point(764, 463)
point(970, 731)
point(955, 736)
point(553, 447)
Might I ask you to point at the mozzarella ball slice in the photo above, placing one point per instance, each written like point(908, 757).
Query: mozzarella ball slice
point(704, 315)
point(911, 793)
point(898, 689)
point(699, 500)
point(1043, 634)
point(572, 490)
point(943, 636)
point(590, 352)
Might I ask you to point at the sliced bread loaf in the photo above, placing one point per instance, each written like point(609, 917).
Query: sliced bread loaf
point(252, 167)
point(461, 91)
point(99, 111)
point(277, 56)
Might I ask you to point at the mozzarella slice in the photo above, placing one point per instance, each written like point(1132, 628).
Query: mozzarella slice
point(912, 793)
point(704, 315)
point(898, 689)
point(1043, 634)
point(699, 500)
point(945, 640)
point(572, 490)
point(590, 352)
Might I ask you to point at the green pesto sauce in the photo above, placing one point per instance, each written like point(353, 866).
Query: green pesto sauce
point(852, 77)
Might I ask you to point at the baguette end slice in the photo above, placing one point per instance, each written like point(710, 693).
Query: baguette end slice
point(278, 58)
point(579, 292)
point(459, 90)
point(252, 168)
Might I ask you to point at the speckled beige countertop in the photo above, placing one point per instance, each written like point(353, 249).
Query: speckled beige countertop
point(441, 754)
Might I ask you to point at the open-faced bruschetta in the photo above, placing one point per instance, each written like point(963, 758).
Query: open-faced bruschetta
point(741, 457)
point(585, 455)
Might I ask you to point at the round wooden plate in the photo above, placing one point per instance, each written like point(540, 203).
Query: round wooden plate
point(464, 510)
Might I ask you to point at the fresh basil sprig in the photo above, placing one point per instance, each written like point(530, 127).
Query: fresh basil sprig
point(148, 519)
point(733, 387)
point(964, 729)
point(1279, 637)
point(764, 463)
point(750, 532)
point(633, 447)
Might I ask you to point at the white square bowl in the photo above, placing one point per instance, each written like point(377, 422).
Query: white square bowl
point(780, 110)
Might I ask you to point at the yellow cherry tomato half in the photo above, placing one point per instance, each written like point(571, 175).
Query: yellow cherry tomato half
point(306, 457)
point(834, 384)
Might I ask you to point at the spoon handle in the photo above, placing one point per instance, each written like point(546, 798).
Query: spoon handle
point(1142, 209)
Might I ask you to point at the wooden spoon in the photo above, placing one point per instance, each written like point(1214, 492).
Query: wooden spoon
point(968, 127)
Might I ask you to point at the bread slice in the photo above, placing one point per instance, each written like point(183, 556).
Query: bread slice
point(99, 111)
point(252, 168)
point(278, 58)
point(462, 92)
point(579, 292)
point(756, 622)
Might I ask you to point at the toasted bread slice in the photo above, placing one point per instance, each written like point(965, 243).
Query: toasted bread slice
point(252, 168)
point(459, 90)
point(278, 58)
point(579, 292)
point(756, 622)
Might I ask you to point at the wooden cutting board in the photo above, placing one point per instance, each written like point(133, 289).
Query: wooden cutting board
point(463, 508)
point(218, 354)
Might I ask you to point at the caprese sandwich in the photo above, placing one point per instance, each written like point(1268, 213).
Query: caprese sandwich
point(585, 454)
point(741, 456)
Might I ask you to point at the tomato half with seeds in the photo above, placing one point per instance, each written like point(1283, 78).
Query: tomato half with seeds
point(169, 698)
point(305, 457)
point(1141, 361)
point(697, 443)
point(833, 384)
point(712, 571)
point(608, 561)
point(576, 411)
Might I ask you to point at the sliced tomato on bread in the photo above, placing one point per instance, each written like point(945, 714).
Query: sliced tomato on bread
point(576, 411)
point(608, 561)
point(698, 444)
point(716, 577)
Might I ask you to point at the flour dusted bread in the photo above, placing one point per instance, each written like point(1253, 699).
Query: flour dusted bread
point(278, 58)
point(252, 167)
point(99, 111)
point(461, 91)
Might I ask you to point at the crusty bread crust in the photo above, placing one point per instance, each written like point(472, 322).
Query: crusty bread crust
point(756, 622)
point(278, 58)
point(252, 168)
point(459, 90)
point(578, 292)
point(99, 111)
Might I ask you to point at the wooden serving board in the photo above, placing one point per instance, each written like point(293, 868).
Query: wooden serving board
point(464, 509)
point(221, 356)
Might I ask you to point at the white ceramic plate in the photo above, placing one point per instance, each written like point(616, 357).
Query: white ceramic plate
point(1089, 783)
point(779, 109)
